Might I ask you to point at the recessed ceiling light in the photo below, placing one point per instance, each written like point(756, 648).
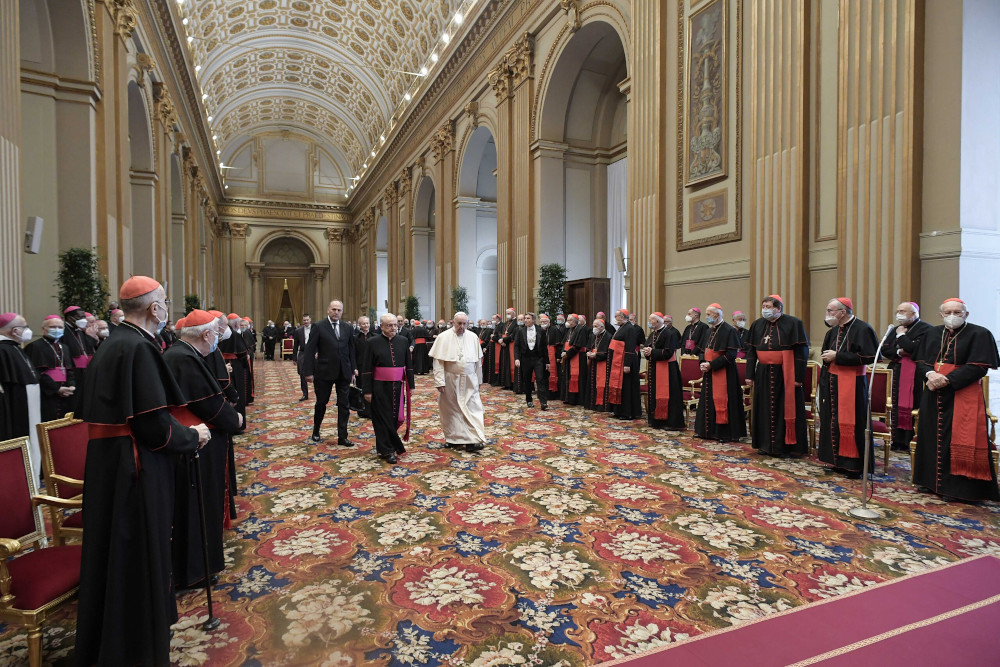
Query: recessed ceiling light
point(444, 38)
point(227, 186)
point(406, 97)
point(434, 57)
point(423, 71)
point(373, 152)
point(190, 39)
point(197, 68)
point(218, 152)
point(184, 21)
point(364, 166)
point(204, 96)
point(458, 19)
point(382, 138)
point(215, 137)
point(222, 165)
point(209, 119)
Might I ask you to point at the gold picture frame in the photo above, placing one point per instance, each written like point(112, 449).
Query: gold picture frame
point(706, 110)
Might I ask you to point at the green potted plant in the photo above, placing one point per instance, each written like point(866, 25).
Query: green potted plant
point(459, 299)
point(552, 289)
point(412, 307)
point(191, 301)
point(80, 282)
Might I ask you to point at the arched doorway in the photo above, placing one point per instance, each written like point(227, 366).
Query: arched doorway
point(424, 281)
point(476, 221)
point(582, 153)
point(382, 266)
point(286, 268)
point(139, 247)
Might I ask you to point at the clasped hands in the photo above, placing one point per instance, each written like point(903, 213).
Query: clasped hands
point(936, 380)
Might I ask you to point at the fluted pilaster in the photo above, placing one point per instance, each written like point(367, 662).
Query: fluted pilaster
point(11, 230)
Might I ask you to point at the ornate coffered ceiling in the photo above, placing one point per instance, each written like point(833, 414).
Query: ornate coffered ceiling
point(335, 70)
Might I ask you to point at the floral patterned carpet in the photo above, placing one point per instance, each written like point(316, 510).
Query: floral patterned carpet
point(572, 539)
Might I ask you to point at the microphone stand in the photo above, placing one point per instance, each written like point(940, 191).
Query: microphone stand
point(863, 512)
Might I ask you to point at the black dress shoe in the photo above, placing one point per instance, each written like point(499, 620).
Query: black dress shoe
point(304, 398)
point(545, 406)
point(391, 458)
point(452, 445)
point(531, 404)
point(345, 443)
point(474, 447)
point(315, 437)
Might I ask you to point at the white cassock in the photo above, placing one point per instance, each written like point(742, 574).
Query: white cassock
point(458, 367)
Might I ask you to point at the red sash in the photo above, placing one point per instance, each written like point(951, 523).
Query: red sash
point(907, 376)
point(99, 431)
point(397, 374)
point(81, 361)
point(57, 374)
point(617, 371)
point(846, 418)
point(720, 386)
point(228, 356)
point(601, 380)
point(574, 373)
point(553, 372)
point(662, 388)
point(785, 359)
point(510, 352)
point(496, 358)
point(419, 341)
point(970, 455)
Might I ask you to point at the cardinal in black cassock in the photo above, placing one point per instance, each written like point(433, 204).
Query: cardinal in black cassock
point(485, 338)
point(574, 363)
point(665, 400)
point(907, 385)
point(18, 380)
point(126, 595)
point(421, 338)
point(720, 414)
point(600, 372)
point(81, 348)
point(511, 378)
point(52, 360)
point(693, 332)
point(497, 364)
point(623, 358)
point(217, 366)
point(848, 347)
point(234, 351)
point(186, 359)
point(777, 356)
point(386, 380)
point(953, 456)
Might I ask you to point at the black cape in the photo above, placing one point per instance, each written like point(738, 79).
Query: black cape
point(856, 344)
point(45, 355)
point(723, 339)
point(207, 401)
point(126, 594)
point(974, 350)
point(768, 408)
point(895, 350)
point(16, 371)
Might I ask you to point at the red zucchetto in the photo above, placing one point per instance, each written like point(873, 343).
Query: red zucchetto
point(136, 286)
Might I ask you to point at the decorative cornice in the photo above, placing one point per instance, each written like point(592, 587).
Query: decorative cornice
point(164, 106)
point(521, 59)
point(242, 208)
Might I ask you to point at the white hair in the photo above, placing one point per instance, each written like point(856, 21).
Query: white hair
point(455, 316)
point(654, 316)
point(386, 317)
point(193, 332)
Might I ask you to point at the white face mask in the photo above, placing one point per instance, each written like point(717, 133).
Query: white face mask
point(81, 323)
point(120, 320)
point(227, 333)
point(953, 321)
point(103, 333)
point(767, 313)
point(831, 320)
point(741, 324)
point(26, 335)
point(545, 325)
point(596, 331)
point(902, 319)
point(688, 319)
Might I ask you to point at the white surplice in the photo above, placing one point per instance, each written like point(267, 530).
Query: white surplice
point(458, 367)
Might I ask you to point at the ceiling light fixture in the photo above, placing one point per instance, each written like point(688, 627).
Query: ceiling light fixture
point(215, 137)
point(373, 152)
point(209, 119)
point(423, 71)
point(218, 152)
point(434, 57)
point(190, 38)
point(458, 18)
point(364, 166)
point(382, 138)
point(197, 68)
point(407, 97)
point(184, 21)
point(227, 186)
point(444, 38)
point(204, 96)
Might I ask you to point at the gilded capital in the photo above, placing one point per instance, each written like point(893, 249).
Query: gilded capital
point(125, 17)
point(404, 182)
point(164, 106)
point(443, 141)
point(239, 230)
point(572, 9)
point(499, 80)
point(472, 111)
point(335, 234)
point(390, 195)
point(521, 59)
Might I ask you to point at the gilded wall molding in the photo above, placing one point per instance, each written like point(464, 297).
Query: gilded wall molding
point(125, 17)
point(443, 141)
point(572, 10)
point(283, 211)
point(390, 195)
point(164, 106)
point(404, 183)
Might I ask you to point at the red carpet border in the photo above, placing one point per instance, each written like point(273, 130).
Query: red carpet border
point(573, 539)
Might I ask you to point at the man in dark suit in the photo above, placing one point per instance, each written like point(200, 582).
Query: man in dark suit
point(331, 360)
point(300, 338)
point(531, 355)
point(270, 336)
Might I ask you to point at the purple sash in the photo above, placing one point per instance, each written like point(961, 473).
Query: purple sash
point(57, 374)
point(907, 373)
point(397, 374)
point(81, 361)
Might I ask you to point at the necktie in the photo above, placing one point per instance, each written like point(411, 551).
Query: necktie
point(336, 329)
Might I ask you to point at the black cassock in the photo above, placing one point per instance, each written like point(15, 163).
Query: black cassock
point(217, 367)
point(81, 349)
point(382, 352)
point(692, 337)
point(554, 336)
point(127, 601)
point(485, 342)
point(856, 344)
point(774, 431)
point(898, 351)
point(250, 339)
point(744, 336)
point(270, 336)
point(724, 342)
point(208, 403)
point(54, 364)
point(598, 364)
point(511, 378)
point(16, 372)
point(497, 365)
point(234, 351)
point(575, 347)
point(973, 350)
point(630, 405)
point(663, 367)
point(421, 362)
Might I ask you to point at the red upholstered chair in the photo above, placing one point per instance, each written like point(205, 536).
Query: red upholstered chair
point(36, 581)
point(64, 455)
point(691, 382)
point(287, 345)
point(882, 409)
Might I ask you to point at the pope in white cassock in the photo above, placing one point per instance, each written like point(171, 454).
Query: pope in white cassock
point(458, 371)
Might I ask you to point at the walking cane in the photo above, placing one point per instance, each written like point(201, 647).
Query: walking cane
point(212, 623)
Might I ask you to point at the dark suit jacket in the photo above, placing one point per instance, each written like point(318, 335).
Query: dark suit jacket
point(521, 350)
point(326, 357)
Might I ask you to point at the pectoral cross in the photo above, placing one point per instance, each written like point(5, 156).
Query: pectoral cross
point(766, 339)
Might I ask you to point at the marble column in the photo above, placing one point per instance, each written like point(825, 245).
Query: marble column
point(443, 148)
point(238, 270)
point(322, 295)
point(524, 255)
point(256, 295)
point(499, 79)
point(11, 231)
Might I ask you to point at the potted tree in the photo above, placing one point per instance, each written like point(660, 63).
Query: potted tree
point(80, 282)
point(552, 289)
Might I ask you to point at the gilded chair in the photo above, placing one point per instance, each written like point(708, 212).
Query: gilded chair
point(64, 455)
point(287, 346)
point(34, 579)
point(746, 391)
point(690, 383)
point(810, 383)
point(881, 401)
